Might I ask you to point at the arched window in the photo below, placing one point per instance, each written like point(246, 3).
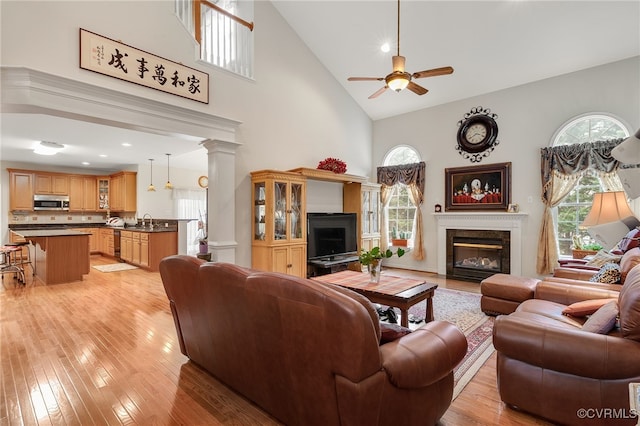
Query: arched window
point(401, 212)
point(576, 205)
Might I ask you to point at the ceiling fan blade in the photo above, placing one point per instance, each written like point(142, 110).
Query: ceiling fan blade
point(379, 92)
point(417, 89)
point(433, 73)
point(365, 78)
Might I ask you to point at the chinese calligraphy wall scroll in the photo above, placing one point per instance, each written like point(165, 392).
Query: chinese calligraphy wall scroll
point(109, 57)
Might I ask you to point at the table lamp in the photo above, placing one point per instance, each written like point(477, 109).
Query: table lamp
point(610, 218)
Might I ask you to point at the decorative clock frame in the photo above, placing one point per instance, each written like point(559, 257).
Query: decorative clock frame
point(477, 134)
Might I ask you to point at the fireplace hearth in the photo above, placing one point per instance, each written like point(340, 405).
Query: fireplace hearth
point(474, 255)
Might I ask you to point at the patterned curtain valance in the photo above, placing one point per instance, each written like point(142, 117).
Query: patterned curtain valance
point(570, 159)
point(405, 173)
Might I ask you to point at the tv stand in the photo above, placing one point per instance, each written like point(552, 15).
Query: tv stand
point(330, 265)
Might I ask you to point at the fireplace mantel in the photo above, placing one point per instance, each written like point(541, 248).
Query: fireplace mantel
point(502, 221)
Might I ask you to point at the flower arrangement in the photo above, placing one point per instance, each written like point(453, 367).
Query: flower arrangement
point(333, 164)
point(375, 255)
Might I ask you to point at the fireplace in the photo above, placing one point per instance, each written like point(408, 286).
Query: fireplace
point(474, 255)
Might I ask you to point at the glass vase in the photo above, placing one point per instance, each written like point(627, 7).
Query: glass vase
point(374, 271)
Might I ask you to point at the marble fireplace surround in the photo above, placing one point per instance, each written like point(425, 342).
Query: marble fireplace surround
point(501, 221)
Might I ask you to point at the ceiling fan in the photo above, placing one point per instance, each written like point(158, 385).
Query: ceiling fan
point(400, 79)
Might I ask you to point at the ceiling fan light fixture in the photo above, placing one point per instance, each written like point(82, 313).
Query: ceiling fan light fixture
point(398, 82)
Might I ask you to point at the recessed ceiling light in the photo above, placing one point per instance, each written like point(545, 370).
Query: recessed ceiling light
point(385, 47)
point(86, 163)
point(48, 148)
point(103, 155)
point(126, 144)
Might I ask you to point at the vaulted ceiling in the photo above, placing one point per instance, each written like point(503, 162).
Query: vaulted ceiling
point(492, 45)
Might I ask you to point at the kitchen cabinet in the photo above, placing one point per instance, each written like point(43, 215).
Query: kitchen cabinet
point(103, 192)
point(364, 200)
point(147, 249)
point(83, 195)
point(94, 236)
point(123, 192)
point(106, 241)
point(20, 190)
point(279, 222)
point(51, 184)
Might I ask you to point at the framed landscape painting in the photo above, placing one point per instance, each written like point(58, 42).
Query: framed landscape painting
point(485, 187)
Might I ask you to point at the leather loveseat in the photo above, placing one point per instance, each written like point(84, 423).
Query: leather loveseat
point(305, 352)
point(549, 366)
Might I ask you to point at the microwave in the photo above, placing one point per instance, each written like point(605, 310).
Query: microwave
point(51, 202)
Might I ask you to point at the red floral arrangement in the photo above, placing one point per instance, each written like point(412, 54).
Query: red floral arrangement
point(333, 165)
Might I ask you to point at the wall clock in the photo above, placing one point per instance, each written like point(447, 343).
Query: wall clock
point(203, 181)
point(477, 134)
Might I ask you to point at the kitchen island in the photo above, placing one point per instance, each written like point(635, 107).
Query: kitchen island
point(61, 255)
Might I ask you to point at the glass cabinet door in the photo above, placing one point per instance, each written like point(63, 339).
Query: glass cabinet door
point(280, 211)
point(296, 211)
point(375, 212)
point(366, 212)
point(259, 211)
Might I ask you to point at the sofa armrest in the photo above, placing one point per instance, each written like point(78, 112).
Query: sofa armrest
point(576, 273)
point(566, 292)
point(424, 356)
point(565, 350)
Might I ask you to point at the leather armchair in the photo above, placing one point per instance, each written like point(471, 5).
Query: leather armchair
point(306, 352)
point(547, 365)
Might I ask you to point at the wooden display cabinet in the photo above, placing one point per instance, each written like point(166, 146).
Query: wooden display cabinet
point(279, 232)
point(364, 199)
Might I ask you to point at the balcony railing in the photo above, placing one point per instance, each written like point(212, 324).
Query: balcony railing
point(225, 39)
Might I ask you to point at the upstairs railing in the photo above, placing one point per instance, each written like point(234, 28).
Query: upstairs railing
point(225, 39)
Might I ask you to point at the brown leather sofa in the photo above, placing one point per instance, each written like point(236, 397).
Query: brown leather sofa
point(547, 365)
point(305, 352)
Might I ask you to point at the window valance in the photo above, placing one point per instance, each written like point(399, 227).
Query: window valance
point(405, 173)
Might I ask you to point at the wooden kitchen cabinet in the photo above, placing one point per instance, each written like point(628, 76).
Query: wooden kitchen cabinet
point(51, 184)
point(123, 192)
point(83, 193)
point(106, 241)
point(94, 237)
point(147, 249)
point(279, 225)
point(20, 190)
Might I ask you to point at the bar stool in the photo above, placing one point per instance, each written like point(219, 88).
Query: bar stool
point(21, 259)
point(9, 263)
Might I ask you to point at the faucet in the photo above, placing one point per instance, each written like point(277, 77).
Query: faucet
point(150, 220)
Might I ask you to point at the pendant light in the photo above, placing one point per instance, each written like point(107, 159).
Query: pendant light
point(151, 188)
point(168, 185)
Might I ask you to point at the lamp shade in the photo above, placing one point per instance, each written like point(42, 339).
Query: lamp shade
point(628, 152)
point(607, 207)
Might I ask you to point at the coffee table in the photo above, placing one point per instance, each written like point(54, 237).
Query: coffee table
point(398, 292)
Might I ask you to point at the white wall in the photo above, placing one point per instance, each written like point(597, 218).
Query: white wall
point(528, 116)
point(294, 114)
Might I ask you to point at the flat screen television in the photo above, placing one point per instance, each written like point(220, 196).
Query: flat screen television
point(331, 236)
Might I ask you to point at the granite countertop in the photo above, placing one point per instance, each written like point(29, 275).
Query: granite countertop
point(49, 233)
point(19, 229)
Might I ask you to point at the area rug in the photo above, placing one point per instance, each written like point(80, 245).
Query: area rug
point(462, 309)
point(114, 267)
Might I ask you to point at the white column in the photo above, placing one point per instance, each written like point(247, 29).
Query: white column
point(221, 215)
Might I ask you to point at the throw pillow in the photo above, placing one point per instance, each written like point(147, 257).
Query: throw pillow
point(608, 274)
point(630, 241)
point(603, 320)
point(603, 257)
point(391, 332)
point(586, 307)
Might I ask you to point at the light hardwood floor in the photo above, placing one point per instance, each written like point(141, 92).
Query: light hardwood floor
point(104, 351)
